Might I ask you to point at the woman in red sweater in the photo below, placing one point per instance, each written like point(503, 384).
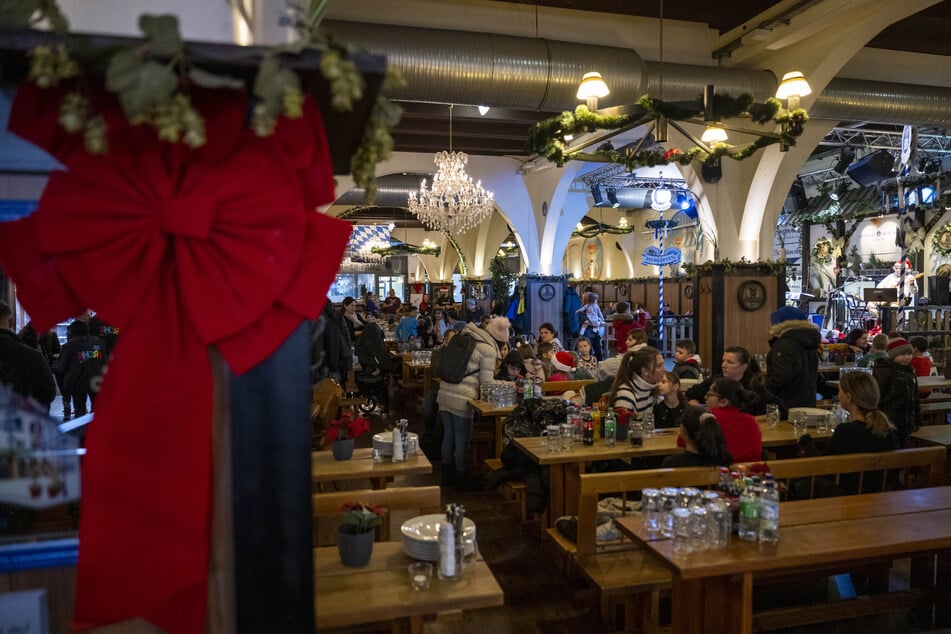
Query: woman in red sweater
point(743, 435)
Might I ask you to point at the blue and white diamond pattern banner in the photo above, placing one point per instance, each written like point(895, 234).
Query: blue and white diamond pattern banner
point(365, 236)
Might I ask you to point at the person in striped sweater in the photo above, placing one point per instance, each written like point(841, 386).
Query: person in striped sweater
point(635, 385)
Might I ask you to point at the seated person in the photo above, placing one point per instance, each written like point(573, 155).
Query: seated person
point(671, 404)
point(585, 360)
point(687, 364)
point(738, 364)
point(562, 367)
point(743, 435)
point(511, 368)
point(408, 326)
point(635, 340)
point(920, 359)
point(704, 442)
point(868, 429)
point(533, 367)
point(879, 352)
point(636, 380)
point(546, 352)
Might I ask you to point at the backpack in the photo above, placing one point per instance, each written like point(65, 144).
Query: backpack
point(451, 362)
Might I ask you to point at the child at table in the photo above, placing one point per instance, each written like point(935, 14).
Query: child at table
point(704, 442)
point(671, 405)
point(920, 360)
point(585, 360)
point(877, 354)
point(743, 435)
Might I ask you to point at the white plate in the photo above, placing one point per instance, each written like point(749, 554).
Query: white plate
point(425, 528)
point(813, 414)
point(384, 442)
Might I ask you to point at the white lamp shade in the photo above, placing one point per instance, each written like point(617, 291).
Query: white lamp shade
point(793, 83)
point(592, 86)
point(714, 134)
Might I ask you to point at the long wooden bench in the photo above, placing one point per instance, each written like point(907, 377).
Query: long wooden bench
point(625, 574)
point(552, 387)
point(426, 499)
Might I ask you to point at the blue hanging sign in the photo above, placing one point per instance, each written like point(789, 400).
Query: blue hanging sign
point(653, 256)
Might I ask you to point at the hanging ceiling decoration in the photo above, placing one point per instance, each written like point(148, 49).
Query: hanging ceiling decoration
point(454, 204)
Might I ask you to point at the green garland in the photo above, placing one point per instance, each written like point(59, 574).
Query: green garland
point(826, 244)
point(731, 268)
point(547, 138)
point(401, 249)
point(936, 240)
point(596, 230)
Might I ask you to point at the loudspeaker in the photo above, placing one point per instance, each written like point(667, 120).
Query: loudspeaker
point(871, 168)
point(938, 293)
point(798, 193)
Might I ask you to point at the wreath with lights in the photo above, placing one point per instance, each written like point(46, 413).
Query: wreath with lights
point(548, 138)
point(822, 251)
point(941, 241)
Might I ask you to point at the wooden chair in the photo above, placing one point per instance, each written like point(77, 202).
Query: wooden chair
point(426, 499)
point(325, 407)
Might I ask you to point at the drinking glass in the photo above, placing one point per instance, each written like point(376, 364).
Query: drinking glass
point(554, 442)
point(772, 415)
point(566, 437)
point(651, 509)
point(681, 520)
point(798, 420)
point(699, 529)
point(668, 500)
point(647, 424)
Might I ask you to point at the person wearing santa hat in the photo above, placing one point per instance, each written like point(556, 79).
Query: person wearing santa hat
point(562, 366)
point(898, 386)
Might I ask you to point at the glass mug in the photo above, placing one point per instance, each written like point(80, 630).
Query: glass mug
point(554, 441)
point(772, 415)
point(798, 420)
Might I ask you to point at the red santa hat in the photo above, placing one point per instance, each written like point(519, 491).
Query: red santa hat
point(563, 361)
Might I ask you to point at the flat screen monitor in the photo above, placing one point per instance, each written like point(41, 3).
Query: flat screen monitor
point(880, 295)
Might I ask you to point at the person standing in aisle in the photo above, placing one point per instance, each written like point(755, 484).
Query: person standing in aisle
point(80, 366)
point(591, 320)
point(23, 368)
point(792, 365)
point(454, 410)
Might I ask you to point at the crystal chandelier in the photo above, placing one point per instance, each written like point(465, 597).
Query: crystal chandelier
point(454, 204)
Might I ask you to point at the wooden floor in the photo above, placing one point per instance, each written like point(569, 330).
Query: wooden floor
point(538, 598)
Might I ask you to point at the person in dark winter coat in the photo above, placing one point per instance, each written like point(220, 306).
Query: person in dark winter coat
point(899, 389)
point(572, 304)
point(80, 364)
point(331, 354)
point(106, 333)
point(792, 365)
point(21, 367)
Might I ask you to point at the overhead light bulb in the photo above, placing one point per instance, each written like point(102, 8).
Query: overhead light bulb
point(660, 199)
point(591, 89)
point(792, 87)
point(483, 110)
point(714, 134)
point(622, 222)
point(579, 227)
point(392, 226)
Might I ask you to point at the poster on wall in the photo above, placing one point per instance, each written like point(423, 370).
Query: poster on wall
point(788, 244)
point(593, 256)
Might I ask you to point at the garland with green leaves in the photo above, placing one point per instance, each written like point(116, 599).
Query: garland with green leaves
point(941, 237)
point(547, 138)
point(152, 81)
point(731, 268)
point(403, 248)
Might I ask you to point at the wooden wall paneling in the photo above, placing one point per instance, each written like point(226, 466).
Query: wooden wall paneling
point(550, 311)
point(60, 586)
point(741, 327)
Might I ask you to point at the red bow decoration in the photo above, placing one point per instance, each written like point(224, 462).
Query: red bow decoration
point(182, 250)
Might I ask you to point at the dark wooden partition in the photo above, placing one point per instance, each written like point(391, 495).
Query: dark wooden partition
point(732, 307)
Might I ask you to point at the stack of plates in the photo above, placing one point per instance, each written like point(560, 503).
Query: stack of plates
point(421, 536)
point(384, 442)
point(813, 414)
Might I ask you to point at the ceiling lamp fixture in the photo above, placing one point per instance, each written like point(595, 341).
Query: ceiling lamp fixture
point(454, 204)
point(792, 87)
point(714, 134)
point(591, 89)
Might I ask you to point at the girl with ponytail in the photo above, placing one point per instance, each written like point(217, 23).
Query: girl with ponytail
point(705, 444)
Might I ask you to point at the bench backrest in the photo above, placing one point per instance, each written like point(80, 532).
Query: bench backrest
point(550, 387)
point(426, 499)
point(928, 463)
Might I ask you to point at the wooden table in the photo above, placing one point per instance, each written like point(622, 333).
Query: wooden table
point(380, 591)
point(713, 590)
point(426, 369)
point(325, 469)
point(499, 414)
point(935, 435)
point(566, 466)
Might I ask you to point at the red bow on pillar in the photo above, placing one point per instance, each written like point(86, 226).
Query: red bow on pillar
point(182, 249)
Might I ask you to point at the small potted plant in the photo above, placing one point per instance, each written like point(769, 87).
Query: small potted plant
point(342, 433)
point(355, 535)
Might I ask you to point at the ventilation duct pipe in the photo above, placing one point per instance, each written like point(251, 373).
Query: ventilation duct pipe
point(634, 197)
point(392, 191)
point(517, 72)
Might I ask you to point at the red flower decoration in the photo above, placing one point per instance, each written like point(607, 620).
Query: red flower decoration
point(672, 152)
point(347, 426)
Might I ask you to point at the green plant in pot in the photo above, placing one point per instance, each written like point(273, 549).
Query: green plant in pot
point(355, 535)
point(342, 433)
